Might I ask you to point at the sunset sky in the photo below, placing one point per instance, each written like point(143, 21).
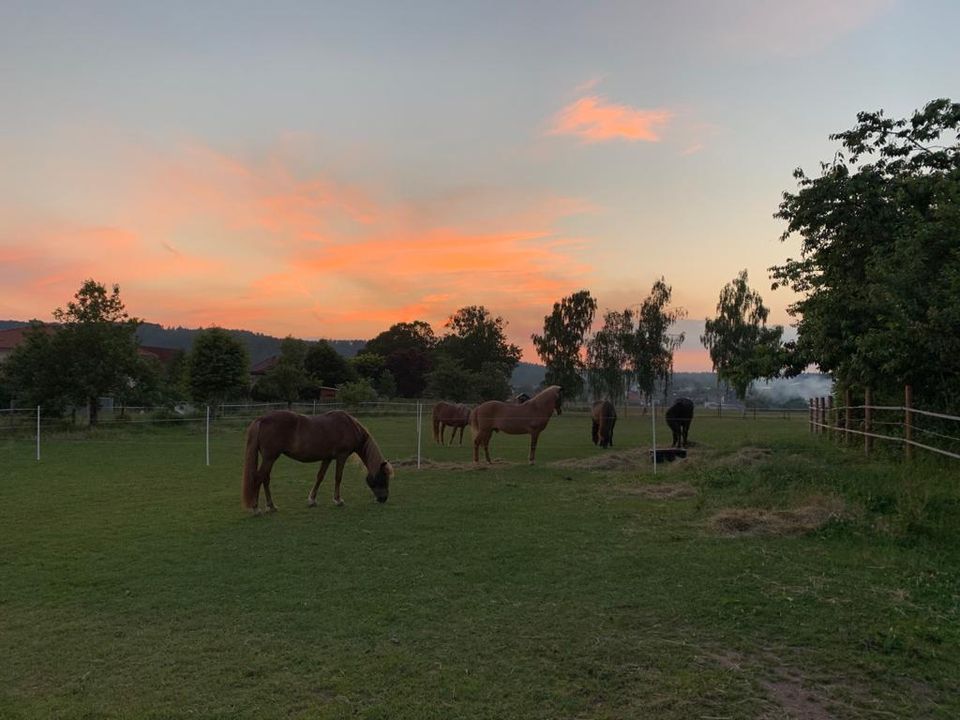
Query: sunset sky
point(328, 169)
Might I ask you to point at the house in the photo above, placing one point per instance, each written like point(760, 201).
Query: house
point(9, 339)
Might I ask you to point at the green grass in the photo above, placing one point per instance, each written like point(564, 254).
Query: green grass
point(132, 584)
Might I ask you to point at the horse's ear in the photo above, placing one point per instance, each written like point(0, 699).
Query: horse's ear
point(387, 469)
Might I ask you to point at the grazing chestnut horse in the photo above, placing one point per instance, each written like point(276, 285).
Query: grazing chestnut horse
point(334, 435)
point(679, 416)
point(529, 418)
point(452, 415)
point(604, 418)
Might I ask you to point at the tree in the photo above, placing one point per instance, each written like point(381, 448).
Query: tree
point(287, 380)
point(742, 347)
point(409, 369)
point(218, 366)
point(416, 335)
point(450, 381)
point(368, 365)
point(561, 345)
point(327, 366)
point(475, 337)
point(879, 266)
point(651, 346)
point(353, 394)
point(36, 372)
point(608, 356)
point(97, 344)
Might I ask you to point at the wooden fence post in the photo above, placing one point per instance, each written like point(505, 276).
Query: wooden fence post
point(831, 424)
point(847, 415)
point(812, 426)
point(867, 417)
point(908, 420)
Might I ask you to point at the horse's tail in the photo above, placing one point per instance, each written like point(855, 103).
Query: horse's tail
point(436, 424)
point(249, 487)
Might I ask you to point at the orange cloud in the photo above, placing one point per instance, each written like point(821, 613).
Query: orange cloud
point(199, 238)
point(595, 120)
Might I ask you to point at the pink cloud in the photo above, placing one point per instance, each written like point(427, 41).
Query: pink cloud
point(593, 119)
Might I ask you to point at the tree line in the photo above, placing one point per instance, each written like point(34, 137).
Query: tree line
point(878, 279)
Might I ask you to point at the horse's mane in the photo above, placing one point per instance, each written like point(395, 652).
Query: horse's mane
point(367, 448)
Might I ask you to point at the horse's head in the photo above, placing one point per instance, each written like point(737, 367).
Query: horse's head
point(379, 483)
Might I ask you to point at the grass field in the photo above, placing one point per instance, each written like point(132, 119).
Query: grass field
point(770, 575)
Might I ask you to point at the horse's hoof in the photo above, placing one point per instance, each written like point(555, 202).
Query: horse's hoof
point(255, 512)
point(272, 509)
point(311, 502)
point(338, 502)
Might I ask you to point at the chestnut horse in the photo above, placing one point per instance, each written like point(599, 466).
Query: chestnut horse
point(679, 416)
point(453, 415)
point(334, 435)
point(604, 416)
point(529, 418)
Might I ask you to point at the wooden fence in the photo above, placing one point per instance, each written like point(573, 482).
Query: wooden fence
point(873, 422)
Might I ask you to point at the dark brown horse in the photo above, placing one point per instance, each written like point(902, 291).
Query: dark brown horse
point(334, 435)
point(679, 416)
point(604, 416)
point(529, 418)
point(452, 415)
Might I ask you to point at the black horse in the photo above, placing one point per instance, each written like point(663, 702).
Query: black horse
point(679, 416)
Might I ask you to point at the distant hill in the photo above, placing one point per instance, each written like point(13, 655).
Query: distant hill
point(259, 346)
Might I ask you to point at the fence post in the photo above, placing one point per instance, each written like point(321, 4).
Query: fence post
point(847, 415)
point(908, 420)
point(831, 423)
point(867, 418)
point(810, 418)
point(653, 427)
point(38, 432)
point(419, 431)
point(208, 436)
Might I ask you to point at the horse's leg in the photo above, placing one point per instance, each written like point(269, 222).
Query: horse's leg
point(337, 500)
point(533, 445)
point(443, 429)
point(482, 438)
point(263, 478)
point(461, 435)
point(312, 497)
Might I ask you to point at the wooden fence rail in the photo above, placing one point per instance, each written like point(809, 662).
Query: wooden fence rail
point(825, 418)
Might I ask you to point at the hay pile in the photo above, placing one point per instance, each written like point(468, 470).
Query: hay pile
point(737, 522)
point(623, 460)
point(664, 491)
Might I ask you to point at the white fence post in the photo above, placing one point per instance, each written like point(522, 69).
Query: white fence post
point(653, 416)
point(419, 431)
point(208, 436)
point(38, 433)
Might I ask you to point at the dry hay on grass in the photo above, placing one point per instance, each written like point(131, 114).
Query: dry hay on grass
point(622, 460)
point(662, 491)
point(819, 510)
point(748, 455)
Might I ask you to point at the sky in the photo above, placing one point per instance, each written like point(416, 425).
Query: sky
point(328, 169)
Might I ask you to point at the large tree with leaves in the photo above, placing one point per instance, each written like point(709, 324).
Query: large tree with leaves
point(218, 367)
point(742, 348)
point(652, 345)
point(561, 345)
point(407, 350)
point(475, 337)
point(97, 344)
point(608, 356)
point(879, 265)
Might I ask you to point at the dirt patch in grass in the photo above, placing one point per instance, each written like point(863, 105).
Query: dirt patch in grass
point(663, 491)
point(817, 512)
point(792, 695)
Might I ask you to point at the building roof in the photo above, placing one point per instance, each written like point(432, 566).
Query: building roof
point(265, 366)
point(9, 339)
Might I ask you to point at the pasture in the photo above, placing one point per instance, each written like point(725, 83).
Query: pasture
point(769, 575)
